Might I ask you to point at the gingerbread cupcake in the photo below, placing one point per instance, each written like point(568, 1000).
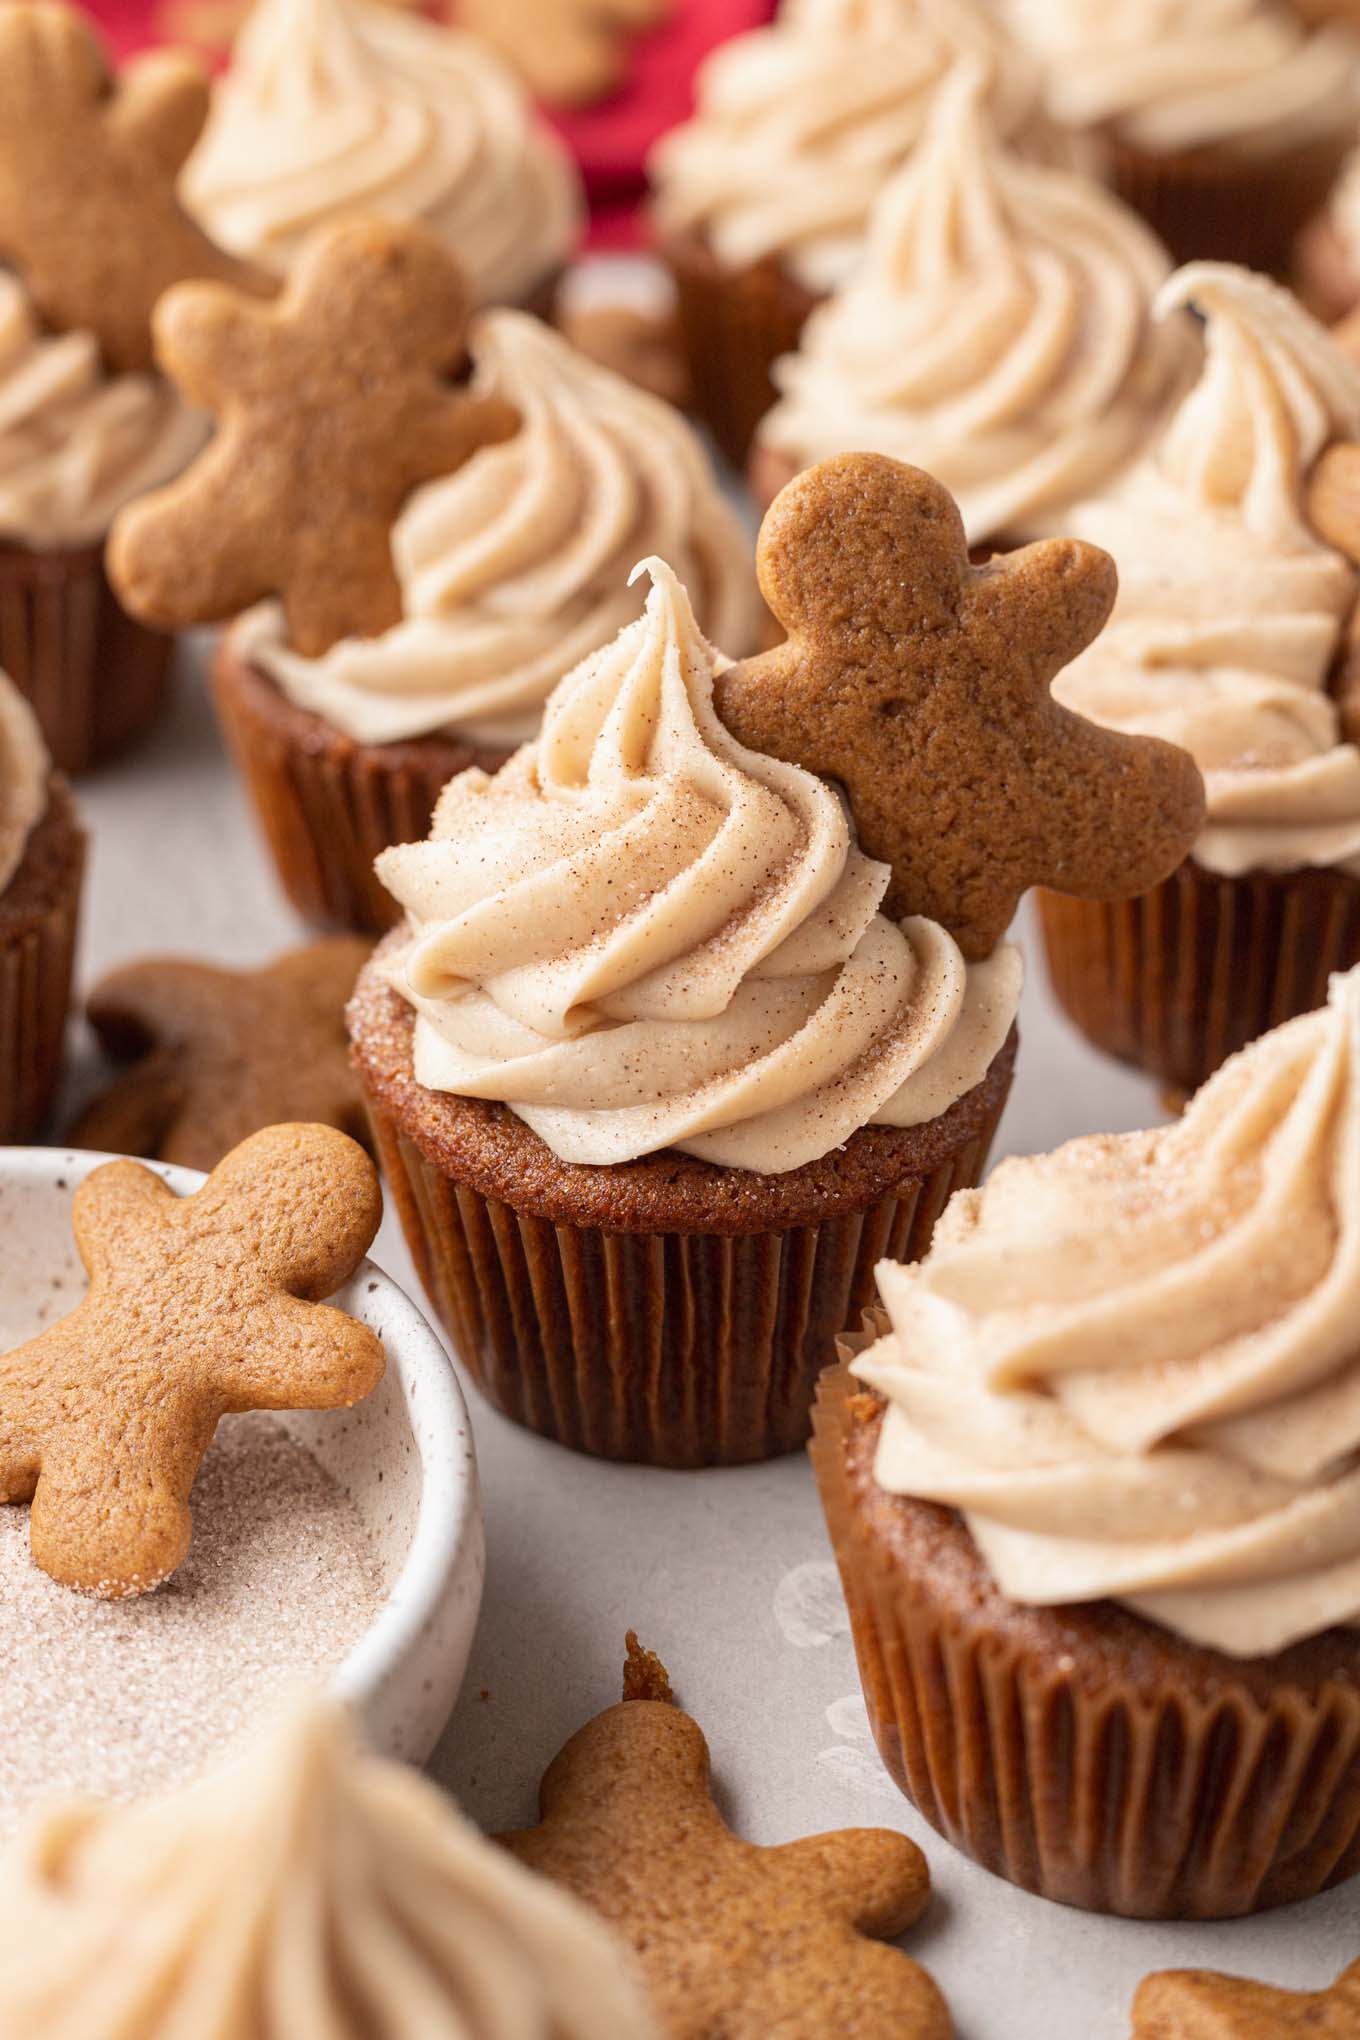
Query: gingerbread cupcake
point(1096, 1503)
point(334, 109)
point(1231, 636)
point(998, 332)
point(672, 1045)
point(42, 860)
point(762, 200)
point(1225, 125)
point(477, 590)
point(90, 234)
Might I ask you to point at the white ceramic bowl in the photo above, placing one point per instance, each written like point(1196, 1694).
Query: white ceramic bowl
point(405, 1456)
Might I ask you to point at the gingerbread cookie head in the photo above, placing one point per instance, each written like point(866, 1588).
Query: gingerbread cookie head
point(568, 52)
point(197, 1307)
point(920, 683)
point(731, 1938)
point(88, 164)
point(1197, 2004)
point(332, 405)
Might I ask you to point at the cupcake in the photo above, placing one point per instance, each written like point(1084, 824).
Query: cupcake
point(1327, 254)
point(998, 332)
point(1231, 625)
point(1094, 1496)
point(315, 1889)
point(762, 200)
point(42, 860)
point(335, 108)
point(508, 571)
point(1224, 122)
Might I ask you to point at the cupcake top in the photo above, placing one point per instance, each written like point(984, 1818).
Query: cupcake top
point(640, 934)
point(77, 440)
point(333, 108)
point(1132, 1364)
point(1231, 609)
point(515, 567)
point(24, 772)
point(1168, 75)
point(798, 125)
point(998, 332)
point(313, 1889)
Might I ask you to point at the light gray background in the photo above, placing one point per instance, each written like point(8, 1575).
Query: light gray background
point(725, 1574)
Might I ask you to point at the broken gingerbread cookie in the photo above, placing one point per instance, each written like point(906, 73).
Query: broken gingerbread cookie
point(1199, 2004)
point(920, 683)
point(731, 1938)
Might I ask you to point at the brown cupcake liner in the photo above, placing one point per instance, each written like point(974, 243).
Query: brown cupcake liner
point(96, 679)
point(1178, 979)
point(326, 804)
point(39, 920)
point(733, 325)
point(1080, 1753)
point(1227, 205)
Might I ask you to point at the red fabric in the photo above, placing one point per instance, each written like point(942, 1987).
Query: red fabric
point(609, 141)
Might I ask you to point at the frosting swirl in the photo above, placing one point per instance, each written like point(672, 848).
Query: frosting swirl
point(77, 443)
point(337, 107)
point(641, 935)
point(799, 124)
point(1133, 1364)
point(1183, 74)
point(24, 772)
point(311, 1890)
point(1231, 611)
point(998, 332)
point(515, 568)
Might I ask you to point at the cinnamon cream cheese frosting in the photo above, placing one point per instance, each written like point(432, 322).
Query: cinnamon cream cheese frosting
point(798, 125)
point(24, 773)
point(1231, 610)
point(1169, 75)
point(333, 108)
point(314, 1891)
point(640, 935)
point(77, 443)
point(1134, 1364)
point(998, 333)
point(516, 567)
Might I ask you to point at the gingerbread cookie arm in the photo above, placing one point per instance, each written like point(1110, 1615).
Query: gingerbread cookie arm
point(162, 550)
point(112, 1210)
point(875, 1879)
point(459, 426)
point(137, 1114)
point(1142, 804)
point(1049, 600)
point(144, 1004)
point(314, 1358)
point(161, 106)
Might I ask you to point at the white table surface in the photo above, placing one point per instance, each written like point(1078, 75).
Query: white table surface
point(726, 1574)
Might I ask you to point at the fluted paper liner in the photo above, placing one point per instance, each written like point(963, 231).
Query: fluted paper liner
point(1226, 204)
point(96, 679)
point(37, 950)
point(327, 805)
point(1197, 1789)
point(734, 325)
point(1178, 979)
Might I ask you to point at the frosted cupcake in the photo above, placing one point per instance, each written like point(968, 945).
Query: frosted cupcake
point(335, 108)
point(998, 333)
point(317, 1890)
point(1231, 626)
point(1223, 121)
point(762, 201)
point(42, 858)
point(1096, 1505)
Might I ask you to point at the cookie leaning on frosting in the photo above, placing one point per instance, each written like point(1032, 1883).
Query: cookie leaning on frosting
point(648, 1033)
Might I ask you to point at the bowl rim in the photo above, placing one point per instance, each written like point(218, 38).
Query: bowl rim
point(448, 1527)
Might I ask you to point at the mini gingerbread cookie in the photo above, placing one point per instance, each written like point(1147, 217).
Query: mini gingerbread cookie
point(1197, 2004)
point(1333, 509)
point(732, 1939)
point(921, 684)
point(333, 404)
point(568, 52)
point(644, 348)
point(218, 1054)
point(88, 163)
point(197, 1306)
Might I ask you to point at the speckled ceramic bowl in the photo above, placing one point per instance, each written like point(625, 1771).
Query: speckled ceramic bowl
point(405, 1456)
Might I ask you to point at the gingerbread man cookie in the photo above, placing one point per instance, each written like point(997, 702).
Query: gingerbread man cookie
point(332, 405)
point(732, 1939)
point(921, 683)
point(197, 1307)
point(88, 163)
point(217, 1054)
point(1197, 2004)
point(568, 52)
